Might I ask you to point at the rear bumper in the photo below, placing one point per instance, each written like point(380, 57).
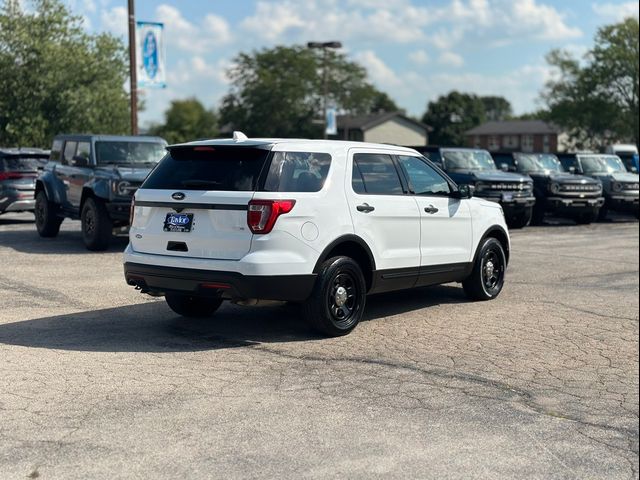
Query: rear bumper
point(16, 204)
point(231, 285)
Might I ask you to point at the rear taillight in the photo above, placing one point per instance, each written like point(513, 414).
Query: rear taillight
point(131, 210)
point(262, 214)
point(11, 175)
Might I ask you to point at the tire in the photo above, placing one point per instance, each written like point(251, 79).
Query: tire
point(537, 216)
point(338, 298)
point(486, 280)
point(602, 214)
point(586, 218)
point(96, 225)
point(192, 306)
point(47, 222)
point(522, 220)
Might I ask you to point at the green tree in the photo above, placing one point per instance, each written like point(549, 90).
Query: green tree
point(451, 115)
point(57, 78)
point(187, 120)
point(496, 108)
point(278, 91)
point(597, 100)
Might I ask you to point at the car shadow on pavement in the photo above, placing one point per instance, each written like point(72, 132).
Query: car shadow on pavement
point(152, 327)
point(67, 242)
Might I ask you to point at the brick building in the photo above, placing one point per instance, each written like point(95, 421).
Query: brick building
point(516, 135)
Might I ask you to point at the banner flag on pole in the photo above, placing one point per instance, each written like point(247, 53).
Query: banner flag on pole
point(150, 58)
point(331, 121)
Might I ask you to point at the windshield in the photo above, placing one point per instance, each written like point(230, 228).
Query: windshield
point(538, 163)
point(126, 153)
point(601, 164)
point(468, 160)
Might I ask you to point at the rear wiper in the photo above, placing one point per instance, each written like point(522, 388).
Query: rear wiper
point(199, 183)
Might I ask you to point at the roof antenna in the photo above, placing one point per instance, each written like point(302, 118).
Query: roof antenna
point(239, 136)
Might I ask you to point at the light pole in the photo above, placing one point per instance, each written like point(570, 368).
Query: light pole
point(325, 46)
point(132, 69)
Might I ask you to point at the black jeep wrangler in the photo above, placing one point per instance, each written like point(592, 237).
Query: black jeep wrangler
point(93, 178)
point(556, 191)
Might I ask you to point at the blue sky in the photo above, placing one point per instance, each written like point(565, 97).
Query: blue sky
point(414, 50)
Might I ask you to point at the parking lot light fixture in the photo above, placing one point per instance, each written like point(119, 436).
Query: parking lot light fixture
point(325, 46)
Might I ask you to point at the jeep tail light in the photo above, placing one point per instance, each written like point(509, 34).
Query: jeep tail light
point(262, 214)
point(131, 211)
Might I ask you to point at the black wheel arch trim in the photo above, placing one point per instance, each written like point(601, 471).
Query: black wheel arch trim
point(488, 233)
point(345, 239)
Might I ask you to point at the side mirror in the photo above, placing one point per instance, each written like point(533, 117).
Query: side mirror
point(572, 169)
point(634, 169)
point(466, 191)
point(80, 161)
point(504, 167)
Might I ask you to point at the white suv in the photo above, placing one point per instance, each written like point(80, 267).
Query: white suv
point(322, 223)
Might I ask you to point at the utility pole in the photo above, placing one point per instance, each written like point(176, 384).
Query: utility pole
point(325, 78)
point(132, 69)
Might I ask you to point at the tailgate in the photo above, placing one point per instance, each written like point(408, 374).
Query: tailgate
point(205, 224)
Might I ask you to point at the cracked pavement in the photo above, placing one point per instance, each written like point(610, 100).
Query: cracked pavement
point(99, 381)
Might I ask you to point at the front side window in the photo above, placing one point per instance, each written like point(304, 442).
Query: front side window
point(69, 152)
point(297, 172)
point(465, 160)
point(601, 164)
point(375, 174)
point(127, 153)
point(84, 151)
point(423, 179)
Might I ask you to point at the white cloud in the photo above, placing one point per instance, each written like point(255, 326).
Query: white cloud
point(379, 72)
point(395, 21)
point(419, 57)
point(212, 31)
point(115, 20)
point(451, 59)
point(616, 12)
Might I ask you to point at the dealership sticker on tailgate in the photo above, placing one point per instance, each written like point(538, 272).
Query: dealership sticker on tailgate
point(178, 222)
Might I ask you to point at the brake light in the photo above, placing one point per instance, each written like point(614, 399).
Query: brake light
point(131, 210)
point(11, 175)
point(262, 214)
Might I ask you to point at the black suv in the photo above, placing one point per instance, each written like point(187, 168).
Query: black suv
point(620, 186)
point(471, 166)
point(574, 196)
point(93, 178)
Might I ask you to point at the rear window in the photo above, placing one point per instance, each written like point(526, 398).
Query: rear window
point(239, 169)
point(209, 168)
point(297, 172)
point(19, 164)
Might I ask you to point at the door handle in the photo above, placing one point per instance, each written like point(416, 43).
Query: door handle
point(365, 207)
point(431, 209)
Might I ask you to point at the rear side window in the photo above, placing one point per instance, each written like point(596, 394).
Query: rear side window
point(375, 174)
point(297, 172)
point(209, 168)
point(69, 152)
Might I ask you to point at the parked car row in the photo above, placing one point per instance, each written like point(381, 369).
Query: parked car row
point(580, 186)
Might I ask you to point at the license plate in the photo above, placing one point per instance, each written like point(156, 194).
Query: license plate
point(507, 197)
point(178, 222)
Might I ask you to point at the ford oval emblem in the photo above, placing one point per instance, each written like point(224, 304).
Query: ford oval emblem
point(178, 196)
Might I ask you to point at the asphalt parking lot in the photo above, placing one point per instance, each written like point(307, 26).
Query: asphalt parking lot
point(98, 381)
